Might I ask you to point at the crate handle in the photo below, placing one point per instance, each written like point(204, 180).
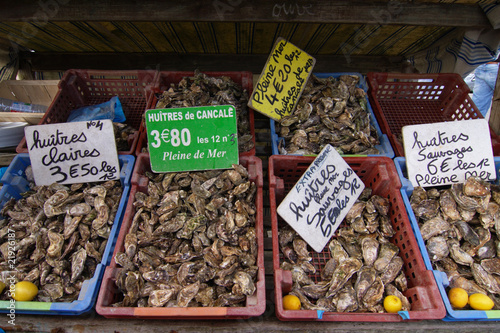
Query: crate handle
point(319, 313)
point(404, 314)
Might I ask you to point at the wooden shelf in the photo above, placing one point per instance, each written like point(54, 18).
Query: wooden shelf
point(418, 13)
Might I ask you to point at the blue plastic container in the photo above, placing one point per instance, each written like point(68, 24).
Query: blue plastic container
point(14, 180)
point(441, 278)
point(384, 147)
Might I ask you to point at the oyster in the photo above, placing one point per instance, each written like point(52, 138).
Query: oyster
point(315, 290)
point(187, 293)
point(449, 206)
point(492, 266)
point(458, 254)
point(437, 248)
point(392, 270)
point(159, 297)
point(485, 279)
point(342, 274)
point(369, 247)
point(386, 253)
point(366, 277)
point(374, 294)
point(433, 227)
point(346, 300)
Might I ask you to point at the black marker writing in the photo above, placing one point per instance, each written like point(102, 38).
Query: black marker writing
point(55, 157)
point(459, 152)
point(439, 140)
point(56, 139)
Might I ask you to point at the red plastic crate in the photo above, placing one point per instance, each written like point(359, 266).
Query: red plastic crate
point(411, 99)
point(378, 173)
point(166, 78)
point(81, 87)
point(108, 293)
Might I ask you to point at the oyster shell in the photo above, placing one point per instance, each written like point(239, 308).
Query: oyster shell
point(346, 300)
point(386, 253)
point(433, 227)
point(437, 248)
point(342, 274)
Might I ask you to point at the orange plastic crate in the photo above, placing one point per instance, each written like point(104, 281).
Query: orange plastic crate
point(378, 173)
point(411, 99)
point(166, 78)
point(109, 293)
point(82, 87)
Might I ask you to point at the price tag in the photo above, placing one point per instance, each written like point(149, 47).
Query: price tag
point(77, 152)
point(194, 138)
point(448, 152)
point(322, 197)
point(282, 80)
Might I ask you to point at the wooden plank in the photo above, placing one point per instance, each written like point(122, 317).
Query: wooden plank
point(6, 158)
point(268, 323)
point(30, 118)
point(204, 62)
point(319, 11)
point(494, 120)
point(40, 92)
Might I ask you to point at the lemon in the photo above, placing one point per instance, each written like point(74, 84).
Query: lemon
point(2, 286)
point(24, 291)
point(480, 302)
point(291, 302)
point(458, 297)
point(392, 304)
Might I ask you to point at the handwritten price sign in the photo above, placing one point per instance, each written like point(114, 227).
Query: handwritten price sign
point(322, 197)
point(70, 153)
point(448, 152)
point(282, 80)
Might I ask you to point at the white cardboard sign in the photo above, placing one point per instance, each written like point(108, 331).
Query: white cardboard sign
point(322, 197)
point(448, 152)
point(77, 152)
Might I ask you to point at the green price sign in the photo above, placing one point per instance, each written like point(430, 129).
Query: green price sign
point(195, 138)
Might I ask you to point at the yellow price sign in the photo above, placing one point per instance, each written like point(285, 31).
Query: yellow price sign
point(282, 80)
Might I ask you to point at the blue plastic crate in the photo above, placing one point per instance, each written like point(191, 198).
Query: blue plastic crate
point(15, 182)
point(384, 147)
point(441, 278)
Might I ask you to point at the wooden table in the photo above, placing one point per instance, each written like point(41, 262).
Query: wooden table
point(266, 323)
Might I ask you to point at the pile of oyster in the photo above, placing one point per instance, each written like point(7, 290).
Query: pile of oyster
point(460, 226)
point(363, 265)
point(61, 234)
point(192, 241)
point(204, 90)
point(122, 133)
point(330, 111)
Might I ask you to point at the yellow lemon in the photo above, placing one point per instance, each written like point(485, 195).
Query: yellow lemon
point(392, 304)
point(291, 302)
point(480, 302)
point(458, 297)
point(24, 291)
